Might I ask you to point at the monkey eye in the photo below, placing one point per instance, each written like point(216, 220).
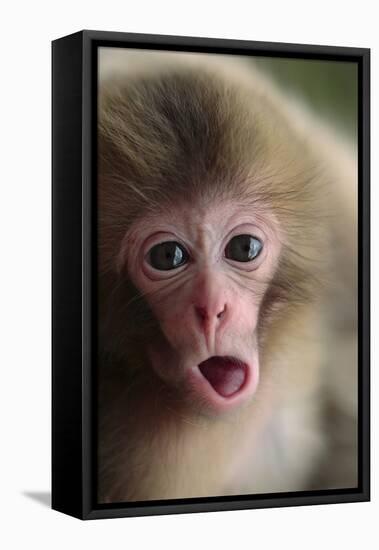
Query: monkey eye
point(167, 255)
point(243, 248)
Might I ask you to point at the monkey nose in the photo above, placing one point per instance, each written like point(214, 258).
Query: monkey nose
point(206, 314)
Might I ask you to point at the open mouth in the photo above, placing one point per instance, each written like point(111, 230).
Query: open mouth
point(226, 375)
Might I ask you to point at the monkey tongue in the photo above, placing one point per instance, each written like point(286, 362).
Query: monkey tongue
point(225, 374)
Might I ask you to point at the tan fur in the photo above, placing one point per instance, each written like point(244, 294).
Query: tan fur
point(190, 127)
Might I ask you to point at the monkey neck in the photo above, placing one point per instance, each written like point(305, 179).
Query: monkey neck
point(160, 443)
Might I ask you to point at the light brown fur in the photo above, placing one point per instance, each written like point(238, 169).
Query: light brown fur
point(186, 129)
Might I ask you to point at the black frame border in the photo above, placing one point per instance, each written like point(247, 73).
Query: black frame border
point(74, 294)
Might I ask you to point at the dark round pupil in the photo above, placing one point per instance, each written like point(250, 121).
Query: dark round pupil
point(243, 248)
point(168, 255)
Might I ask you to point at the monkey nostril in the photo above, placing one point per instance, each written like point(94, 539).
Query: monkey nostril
point(204, 314)
point(221, 313)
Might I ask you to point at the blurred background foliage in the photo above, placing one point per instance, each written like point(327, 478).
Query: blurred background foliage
point(330, 88)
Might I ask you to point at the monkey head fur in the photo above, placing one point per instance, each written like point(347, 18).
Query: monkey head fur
point(185, 148)
point(214, 240)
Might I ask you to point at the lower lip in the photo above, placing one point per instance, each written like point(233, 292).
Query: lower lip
point(203, 387)
point(227, 375)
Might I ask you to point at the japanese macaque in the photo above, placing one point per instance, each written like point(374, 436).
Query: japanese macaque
point(227, 285)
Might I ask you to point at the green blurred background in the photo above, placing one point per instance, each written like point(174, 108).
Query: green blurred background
point(330, 88)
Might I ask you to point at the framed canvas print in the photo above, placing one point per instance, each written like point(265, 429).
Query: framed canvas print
point(210, 274)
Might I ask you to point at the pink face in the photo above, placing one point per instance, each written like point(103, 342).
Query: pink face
point(204, 274)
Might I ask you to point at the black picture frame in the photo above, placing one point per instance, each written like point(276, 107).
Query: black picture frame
point(74, 81)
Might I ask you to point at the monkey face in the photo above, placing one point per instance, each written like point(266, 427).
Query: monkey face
point(204, 273)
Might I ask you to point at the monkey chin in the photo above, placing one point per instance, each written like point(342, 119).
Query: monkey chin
point(223, 383)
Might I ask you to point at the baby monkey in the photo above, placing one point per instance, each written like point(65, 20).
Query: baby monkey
point(227, 284)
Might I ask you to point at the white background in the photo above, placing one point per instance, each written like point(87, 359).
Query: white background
point(26, 31)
